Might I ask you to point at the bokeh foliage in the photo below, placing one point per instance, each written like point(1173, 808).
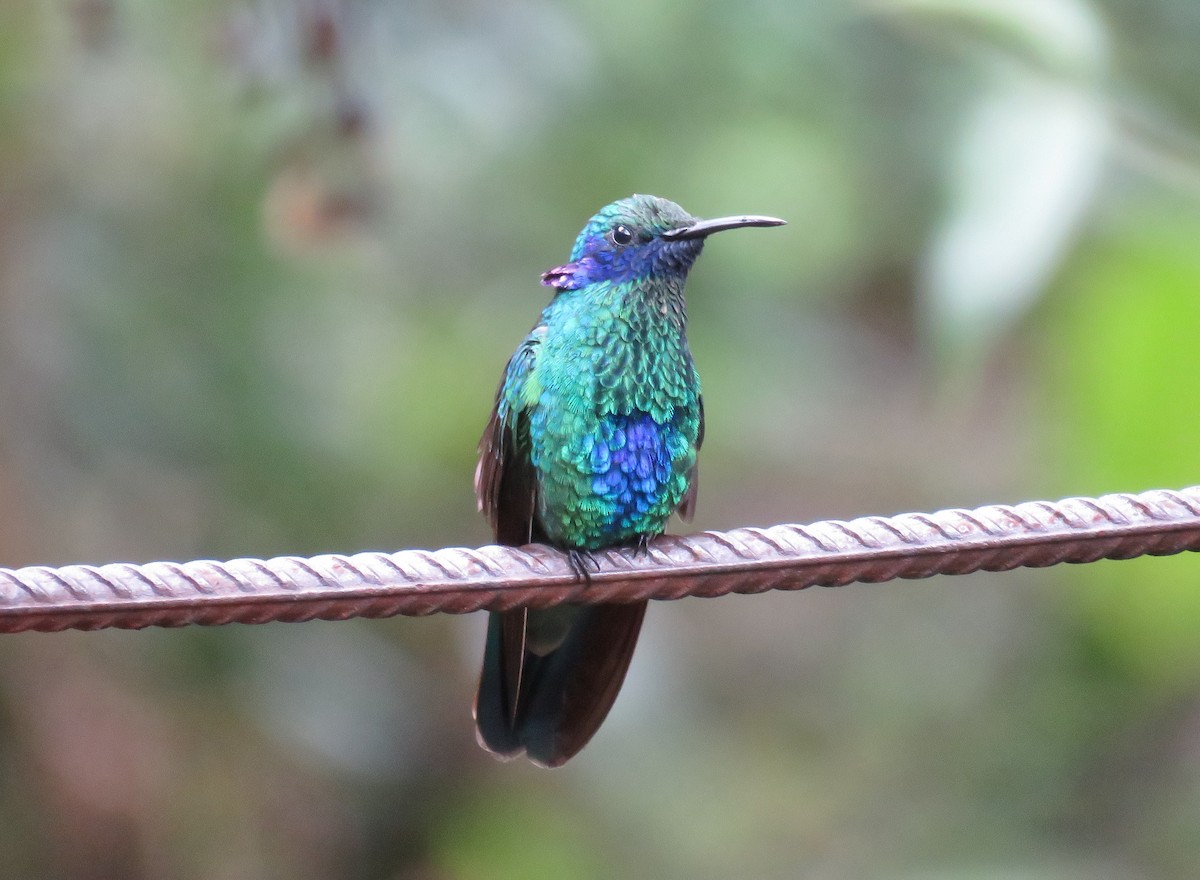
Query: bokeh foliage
point(260, 266)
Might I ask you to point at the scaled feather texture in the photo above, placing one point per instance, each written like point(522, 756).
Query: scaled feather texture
point(592, 444)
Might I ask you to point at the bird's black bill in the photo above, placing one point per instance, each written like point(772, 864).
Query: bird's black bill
point(701, 228)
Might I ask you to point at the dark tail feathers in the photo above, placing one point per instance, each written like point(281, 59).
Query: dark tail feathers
point(549, 703)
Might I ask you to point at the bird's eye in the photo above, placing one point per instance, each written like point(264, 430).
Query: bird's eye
point(622, 234)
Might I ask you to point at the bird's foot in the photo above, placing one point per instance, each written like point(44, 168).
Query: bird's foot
point(583, 563)
point(642, 546)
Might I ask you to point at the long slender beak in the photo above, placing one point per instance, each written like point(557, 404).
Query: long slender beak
point(701, 228)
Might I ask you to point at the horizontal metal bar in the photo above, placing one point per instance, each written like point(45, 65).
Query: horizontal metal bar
point(457, 580)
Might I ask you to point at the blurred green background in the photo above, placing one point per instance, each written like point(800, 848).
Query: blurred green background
point(261, 265)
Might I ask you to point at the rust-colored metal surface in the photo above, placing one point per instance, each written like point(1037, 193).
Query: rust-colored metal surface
point(457, 580)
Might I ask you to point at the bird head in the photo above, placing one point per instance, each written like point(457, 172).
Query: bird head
point(640, 238)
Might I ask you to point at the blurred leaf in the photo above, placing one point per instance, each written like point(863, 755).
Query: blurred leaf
point(514, 835)
point(1121, 351)
point(1062, 36)
point(1025, 172)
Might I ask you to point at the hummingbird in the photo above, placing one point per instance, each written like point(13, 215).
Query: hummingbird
point(591, 444)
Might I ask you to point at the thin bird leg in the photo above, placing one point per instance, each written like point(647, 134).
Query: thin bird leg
point(583, 563)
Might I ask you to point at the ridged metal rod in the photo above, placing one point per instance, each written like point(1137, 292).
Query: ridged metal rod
point(457, 580)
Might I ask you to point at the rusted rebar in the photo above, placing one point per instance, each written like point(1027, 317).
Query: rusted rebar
point(458, 580)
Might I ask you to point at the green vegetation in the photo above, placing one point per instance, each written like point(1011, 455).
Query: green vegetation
point(261, 264)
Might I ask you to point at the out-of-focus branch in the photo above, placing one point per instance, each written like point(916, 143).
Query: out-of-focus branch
point(457, 580)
